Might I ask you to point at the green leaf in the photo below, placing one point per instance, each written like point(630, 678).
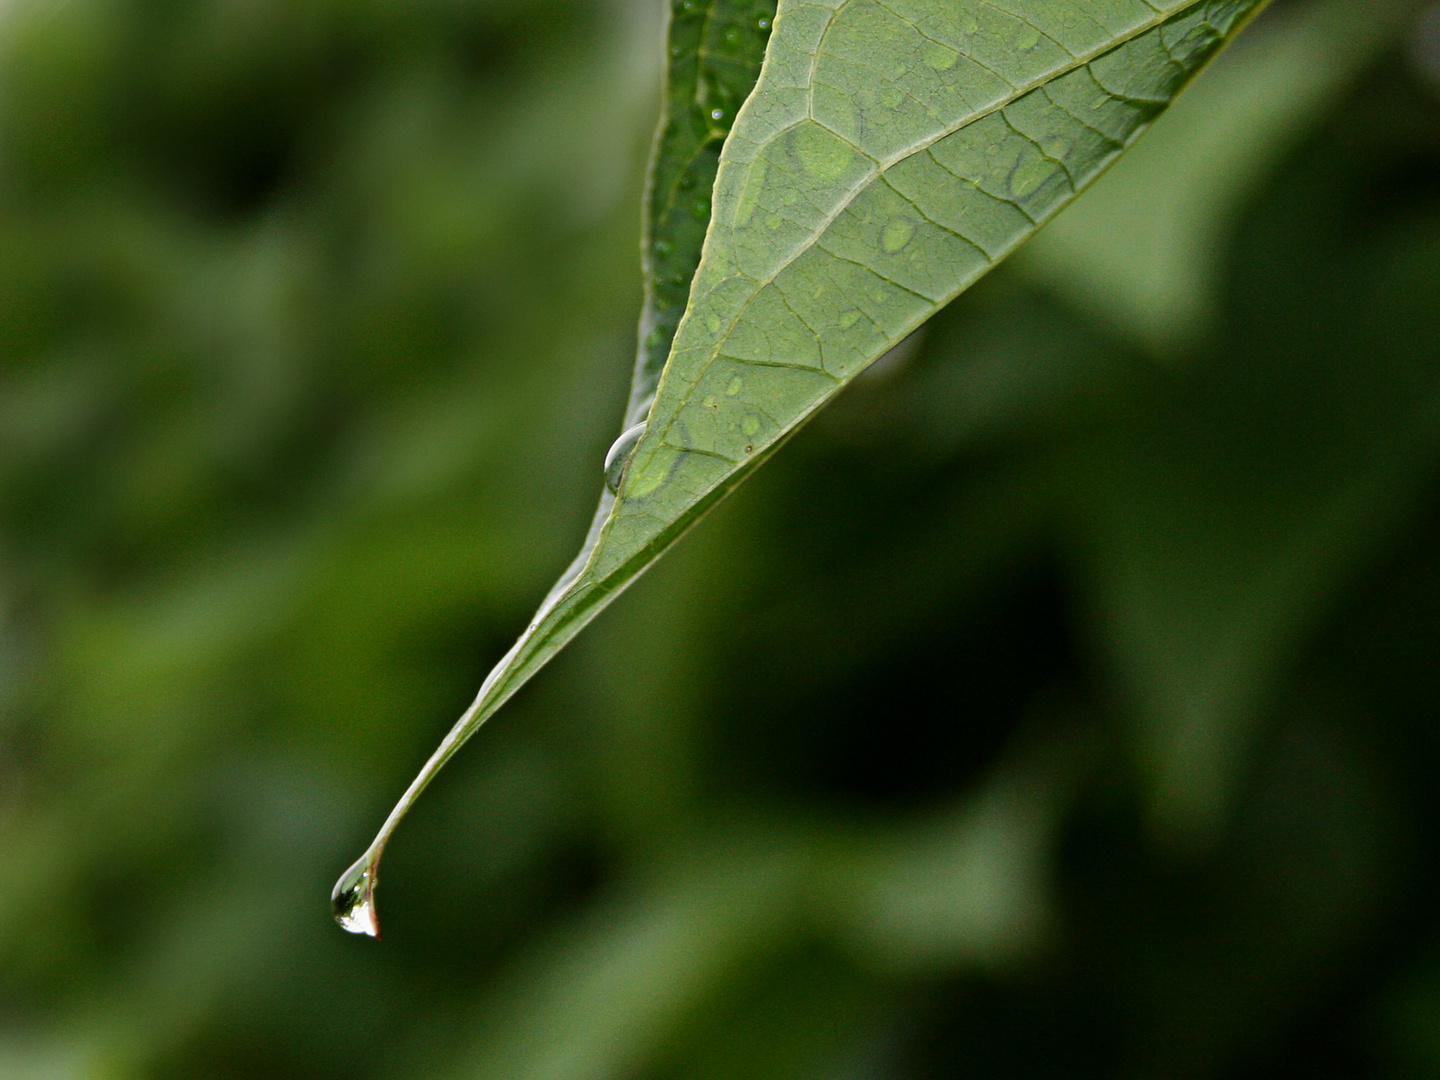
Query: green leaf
point(890, 154)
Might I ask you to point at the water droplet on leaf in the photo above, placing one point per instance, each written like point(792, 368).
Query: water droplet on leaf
point(701, 209)
point(353, 901)
point(619, 455)
point(896, 235)
point(763, 24)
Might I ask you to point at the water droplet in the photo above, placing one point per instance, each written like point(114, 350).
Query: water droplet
point(686, 182)
point(896, 235)
point(763, 24)
point(701, 209)
point(940, 57)
point(732, 35)
point(677, 50)
point(619, 455)
point(353, 901)
point(717, 114)
point(679, 279)
point(662, 249)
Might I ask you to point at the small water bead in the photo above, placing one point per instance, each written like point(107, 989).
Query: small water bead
point(763, 24)
point(732, 36)
point(701, 209)
point(619, 456)
point(662, 249)
point(717, 114)
point(353, 901)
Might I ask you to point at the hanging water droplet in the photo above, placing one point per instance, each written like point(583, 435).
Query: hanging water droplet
point(353, 901)
point(717, 114)
point(619, 456)
point(763, 24)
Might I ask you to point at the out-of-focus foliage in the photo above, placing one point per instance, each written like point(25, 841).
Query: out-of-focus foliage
point(1062, 702)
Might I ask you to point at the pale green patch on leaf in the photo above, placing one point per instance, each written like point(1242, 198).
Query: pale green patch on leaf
point(891, 153)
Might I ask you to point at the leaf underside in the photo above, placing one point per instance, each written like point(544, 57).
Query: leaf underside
point(890, 154)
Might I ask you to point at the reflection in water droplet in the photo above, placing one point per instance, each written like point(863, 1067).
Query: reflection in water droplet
point(619, 456)
point(353, 901)
point(763, 24)
point(717, 114)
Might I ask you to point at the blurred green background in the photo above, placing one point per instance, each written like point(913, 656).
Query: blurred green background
point(1063, 702)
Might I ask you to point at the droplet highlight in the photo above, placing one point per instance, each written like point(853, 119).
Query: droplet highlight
point(352, 901)
point(618, 456)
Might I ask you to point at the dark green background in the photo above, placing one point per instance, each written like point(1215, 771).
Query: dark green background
point(1056, 705)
